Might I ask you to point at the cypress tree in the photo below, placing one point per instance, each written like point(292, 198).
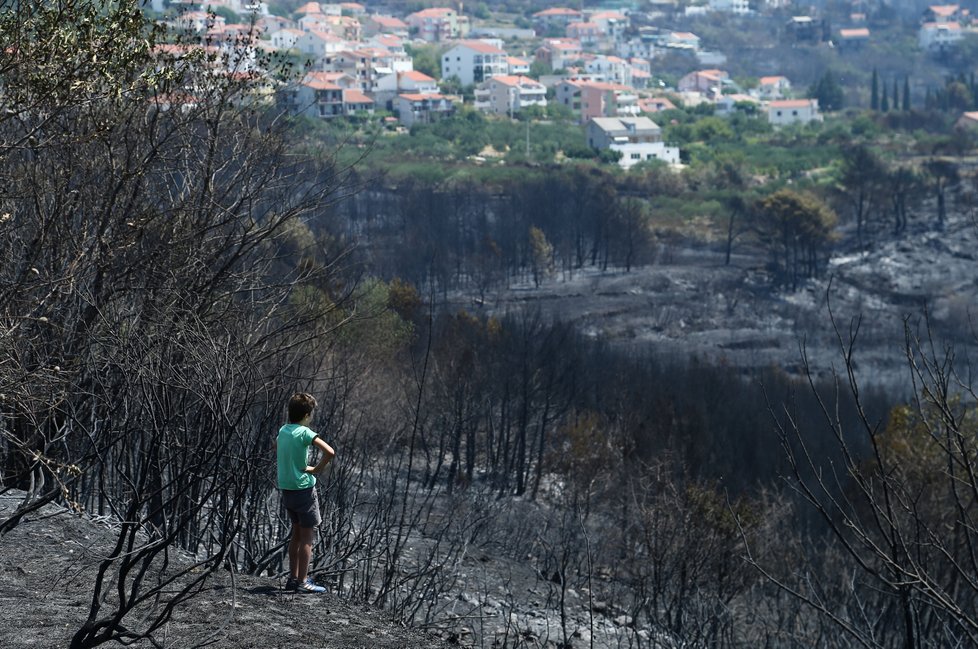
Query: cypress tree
point(896, 95)
point(906, 94)
point(885, 101)
point(874, 93)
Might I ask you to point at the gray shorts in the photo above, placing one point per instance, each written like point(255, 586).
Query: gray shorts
point(303, 506)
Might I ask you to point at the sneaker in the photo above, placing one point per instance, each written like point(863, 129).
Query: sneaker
point(309, 586)
point(291, 584)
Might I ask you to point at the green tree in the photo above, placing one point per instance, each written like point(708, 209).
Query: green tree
point(885, 101)
point(828, 92)
point(540, 68)
point(796, 227)
point(906, 94)
point(427, 59)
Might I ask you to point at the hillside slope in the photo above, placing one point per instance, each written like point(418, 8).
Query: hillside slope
point(47, 568)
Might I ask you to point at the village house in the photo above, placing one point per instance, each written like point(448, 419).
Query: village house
point(590, 35)
point(517, 65)
point(392, 43)
point(509, 94)
point(353, 8)
point(418, 108)
point(803, 29)
point(438, 24)
point(367, 65)
point(681, 40)
point(773, 87)
point(782, 112)
point(345, 27)
point(968, 120)
point(852, 39)
point(589, 99)
point(655, 104)
point(640, 78)
point(355, 101)
point(318, 94)
point(642, 47)
point(939, 36)
point(727, 105)
point(473, 62)
point(320, 45)
point(286, 39)
point(555, 20)
point(612, 69)
point(559, 53)
point(612, 23)
point(410, 82)
point(270, 24)
point(737, 7)
point(944, 14)
point(638, 139)
point(377, 24)
point(708, 82)
point(314, 22)
point(197, 22)
point(309, 8)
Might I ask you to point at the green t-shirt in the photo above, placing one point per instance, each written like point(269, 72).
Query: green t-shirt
point(293, 455)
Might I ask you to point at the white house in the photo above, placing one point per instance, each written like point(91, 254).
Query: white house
point(412, 82)
point(681, 40)
point(418, 108)
point(509, 94)
point(438, 24)
point(317, 95)
point(773, 87)
point(793, 111)
point(286, 39)
point(590, 35)
point(738, 7)
point(612, 68)
point(378, 24)
point(559, 53)
point(638, 139)
point(704, 81)
point(555, 18)
point(518, 66)
point(939, 36)
point(473, 62)
point(319, 45)
point(612, 23)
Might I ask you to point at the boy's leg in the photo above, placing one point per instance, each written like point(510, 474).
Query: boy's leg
point(303, 538)
point(294, 542)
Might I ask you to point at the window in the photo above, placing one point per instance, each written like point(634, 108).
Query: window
point(636, 156)
point(794, 113)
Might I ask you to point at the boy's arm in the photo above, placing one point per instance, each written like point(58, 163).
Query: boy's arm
point(328, 454)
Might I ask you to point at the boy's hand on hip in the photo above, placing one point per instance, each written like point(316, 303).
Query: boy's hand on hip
point(310, 469)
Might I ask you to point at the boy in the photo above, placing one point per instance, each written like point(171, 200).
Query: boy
point(297, 481)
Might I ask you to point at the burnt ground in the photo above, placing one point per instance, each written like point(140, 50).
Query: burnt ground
point(691, 303)
point(47, 569)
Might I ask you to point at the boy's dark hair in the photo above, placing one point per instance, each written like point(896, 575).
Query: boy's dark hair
point(300, 405)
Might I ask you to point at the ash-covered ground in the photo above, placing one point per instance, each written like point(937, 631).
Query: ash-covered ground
point(47, 571)
point(691, 303)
